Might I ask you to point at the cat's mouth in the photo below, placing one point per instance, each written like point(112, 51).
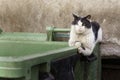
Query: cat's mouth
point(80, 31)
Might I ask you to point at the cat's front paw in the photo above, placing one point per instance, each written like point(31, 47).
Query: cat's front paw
point(77, 44)
point(71, 43)
point(80, 50)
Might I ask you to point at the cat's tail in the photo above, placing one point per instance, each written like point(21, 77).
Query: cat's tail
point(100, 35)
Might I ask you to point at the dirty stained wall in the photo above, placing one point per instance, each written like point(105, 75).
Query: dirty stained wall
point(35, 15)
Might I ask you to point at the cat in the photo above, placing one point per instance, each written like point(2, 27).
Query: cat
point(84, 34)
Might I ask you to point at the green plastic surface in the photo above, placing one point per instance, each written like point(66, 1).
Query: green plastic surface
point(18, 57)
point(22, 48)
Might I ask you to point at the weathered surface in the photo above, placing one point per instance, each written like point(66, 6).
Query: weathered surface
point(35, 15)
point(110, 49)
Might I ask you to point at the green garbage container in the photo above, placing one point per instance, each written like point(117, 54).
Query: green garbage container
point(24, 59)
point(24, 55)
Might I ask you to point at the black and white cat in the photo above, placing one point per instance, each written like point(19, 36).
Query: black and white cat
point(84, 35)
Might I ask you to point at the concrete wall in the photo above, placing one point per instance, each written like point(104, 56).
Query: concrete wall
point(35, 15)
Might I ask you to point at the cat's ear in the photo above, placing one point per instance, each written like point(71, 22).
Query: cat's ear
point(75, 16)
point(88, 17)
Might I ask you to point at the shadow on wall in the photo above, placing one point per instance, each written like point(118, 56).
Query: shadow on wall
point(35, 15)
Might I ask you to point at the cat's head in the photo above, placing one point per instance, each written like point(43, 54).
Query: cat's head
point(81, 24)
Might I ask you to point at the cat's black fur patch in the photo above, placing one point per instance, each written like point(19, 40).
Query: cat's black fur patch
point(82, 46)
point(95, 28)
point(86, 23)
point(84, 20)
point(75, 22)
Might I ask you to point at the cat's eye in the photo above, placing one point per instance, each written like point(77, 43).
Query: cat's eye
point(83, 24)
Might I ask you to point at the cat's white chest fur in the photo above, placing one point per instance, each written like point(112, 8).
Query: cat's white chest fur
point(83, 39)
point(86, 40)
